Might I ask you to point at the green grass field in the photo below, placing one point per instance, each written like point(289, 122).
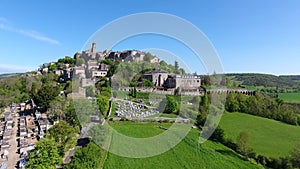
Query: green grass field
point(163, 115)
point(290, 97)
point(267, 137)
point(187, 154)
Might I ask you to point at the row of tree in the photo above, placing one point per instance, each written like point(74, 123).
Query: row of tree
point(242, 146)
point(105, 93)
point(263, 106)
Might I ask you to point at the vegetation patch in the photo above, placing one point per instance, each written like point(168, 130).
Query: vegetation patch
point(187, 154)
point(290, 97)
point(267, 137)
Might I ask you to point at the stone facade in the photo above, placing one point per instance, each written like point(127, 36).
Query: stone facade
point(92, 65)
point(155, 60)
point(158, 77)
point(183, 81)
point(79, 71)
point(98, 73)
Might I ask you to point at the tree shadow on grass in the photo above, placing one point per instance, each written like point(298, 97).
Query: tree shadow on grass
point(231, 154)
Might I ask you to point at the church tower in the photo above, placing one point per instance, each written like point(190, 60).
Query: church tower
point(93, 51)
point(93, 48)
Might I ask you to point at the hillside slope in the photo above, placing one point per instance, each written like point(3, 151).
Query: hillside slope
point(187, 154)
point(267, 137)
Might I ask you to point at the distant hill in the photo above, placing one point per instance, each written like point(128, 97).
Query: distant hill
point(295, 78)
point(266, 80)
point(9, 75)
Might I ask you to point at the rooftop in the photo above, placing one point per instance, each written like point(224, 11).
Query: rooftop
point(156, 71)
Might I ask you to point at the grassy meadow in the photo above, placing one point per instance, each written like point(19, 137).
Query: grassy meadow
point(187, 154)
point(267, 137)
point(290, 97)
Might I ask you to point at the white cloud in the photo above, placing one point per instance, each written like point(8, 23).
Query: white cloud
point(6, 68)
point(32, 34)
point(37, 36)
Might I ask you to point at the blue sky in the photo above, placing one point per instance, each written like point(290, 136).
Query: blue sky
point(249, 36)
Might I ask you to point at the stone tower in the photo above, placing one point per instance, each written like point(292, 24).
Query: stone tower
point(93, 48)
point(93, 51)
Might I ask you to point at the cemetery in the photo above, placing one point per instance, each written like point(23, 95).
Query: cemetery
point(131, 110)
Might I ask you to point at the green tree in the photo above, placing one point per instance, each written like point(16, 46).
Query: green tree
point(112, 70)
point(295, 157)
point(148, 57)
point(171, 105)
point(44, 156)
point(242, 98)
point(231, 105)
point(52, 67)
point(87, 157)
point(65, 135)
point(133, 93)
point(163, 63)
point(45, 95)
point(203, 110)
point(206, 80)
point(103, 103)
point(133, 84)
point(80, 61)
point(204, 103)
point(76, 55)
point(228, 81)
point(243, 143)
point(107, 61)
point(106, 92)
point(147, 83)
point(90, 91)
point(57, 108)
point(84, 109)
point(71, 116)
point(218, 135)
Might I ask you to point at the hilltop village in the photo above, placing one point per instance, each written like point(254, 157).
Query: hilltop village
point(88, 73)
point(90, 66)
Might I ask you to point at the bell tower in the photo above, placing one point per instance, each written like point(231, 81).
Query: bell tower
point(93, 48)
point(93, 51)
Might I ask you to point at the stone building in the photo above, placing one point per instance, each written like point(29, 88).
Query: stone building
point(58, 72)
point(92, 65)
point(90, 53)
point(183, 81)
point(67, 75)
point(158, 77)
point(98, 73)
point(79, 71)
point(155, 60)
point(101, 71)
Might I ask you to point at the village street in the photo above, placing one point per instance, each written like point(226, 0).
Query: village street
point(13, 156)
